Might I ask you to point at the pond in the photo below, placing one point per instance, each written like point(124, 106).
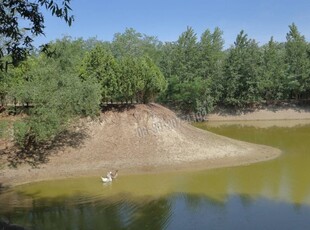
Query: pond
point(267, 195)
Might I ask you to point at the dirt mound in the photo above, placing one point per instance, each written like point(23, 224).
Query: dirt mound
point(141, 138)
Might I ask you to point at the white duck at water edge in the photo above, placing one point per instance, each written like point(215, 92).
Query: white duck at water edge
point(108, 178)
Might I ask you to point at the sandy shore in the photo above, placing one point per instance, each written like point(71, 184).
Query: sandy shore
point(268, 113)
point(139, 139)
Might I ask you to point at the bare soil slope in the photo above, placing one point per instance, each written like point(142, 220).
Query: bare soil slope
point(139, 138)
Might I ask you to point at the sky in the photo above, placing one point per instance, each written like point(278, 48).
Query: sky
point(167, 19)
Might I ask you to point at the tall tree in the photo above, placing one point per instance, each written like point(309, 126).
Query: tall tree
point(186, 56)
point(211, 53)
point(100, 64)
point(192, 69)
point(297, 59)
point(154, 80)
point(241, 72)
point(135, 44)
point(272, 83)
point(211, 60)
point(130, 78)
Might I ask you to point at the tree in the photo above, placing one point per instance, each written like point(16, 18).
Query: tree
point(211, 58)
point(154, 81)
point(241, 72)
point(57, 97)
point(211, 53)
point(68, 52)
point(65, 53)
point(140, 79)
point(179, 63)
point(17, 40)
point(272, 83)
point(126, 78)
point(193, 70)
point(297, 59)
point(100, 64)
point(134, 44)
point(185, 58)
point(20, 81)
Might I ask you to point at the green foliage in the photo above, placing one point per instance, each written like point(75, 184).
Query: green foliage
point(272, 83)
point(193, 69)
point(244, 75)
point(186, 56)
point(124, 79)
point(3, 87)
point(140, 79)
point(298, 62)
point(100, 64)
point(17, 39)
point(152, 82)
point(211, 53)
point(21, 130)
point(127, 76)
point(241, 72)
point(68, 53)
point(85, 97)
point(211, 58)
point(71, 78)
point(4, 127)
point(56, 97)
point(134, 44)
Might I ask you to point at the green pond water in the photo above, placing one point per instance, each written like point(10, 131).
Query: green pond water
point(267, 195)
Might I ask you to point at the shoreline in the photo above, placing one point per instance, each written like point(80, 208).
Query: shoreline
point(263, 153)
point(112, 143)
point(264, 114)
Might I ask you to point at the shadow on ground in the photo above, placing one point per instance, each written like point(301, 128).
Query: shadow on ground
point(39, 154)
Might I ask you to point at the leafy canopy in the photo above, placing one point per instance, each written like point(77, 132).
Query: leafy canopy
point(15, 38)
point(56, 98)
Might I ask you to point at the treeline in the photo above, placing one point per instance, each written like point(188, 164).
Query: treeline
point(74, 77)
point(199, 72)
point(202, 75)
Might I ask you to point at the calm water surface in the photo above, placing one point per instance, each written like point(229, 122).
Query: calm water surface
point(268, 195)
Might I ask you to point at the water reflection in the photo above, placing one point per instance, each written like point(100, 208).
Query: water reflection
point(267, 195)
point(103, 214)
point(177, 211)
point(287, 177)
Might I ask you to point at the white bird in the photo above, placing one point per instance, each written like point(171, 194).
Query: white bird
point(115, 174)
point(108, 178)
